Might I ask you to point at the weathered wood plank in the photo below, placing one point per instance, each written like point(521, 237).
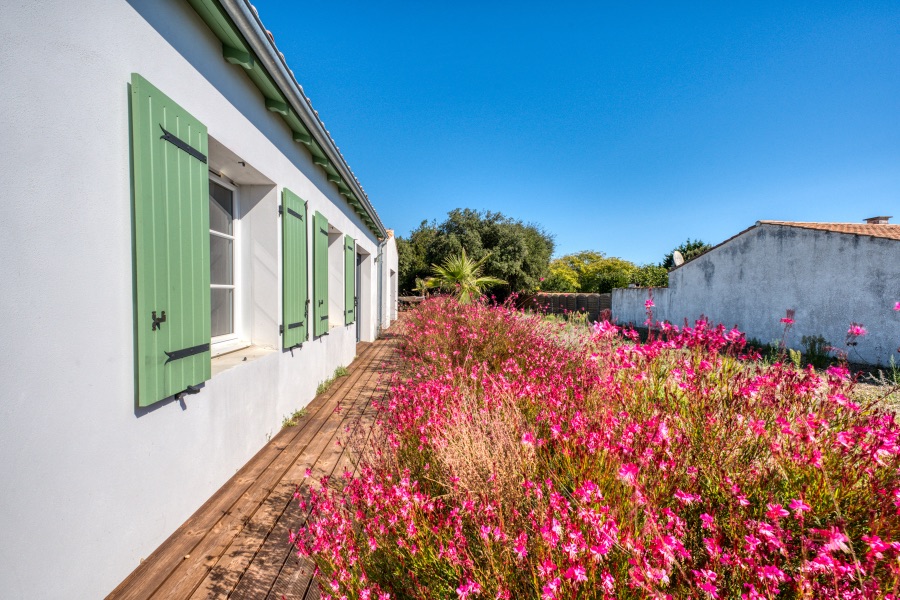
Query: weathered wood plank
point(295, 574)
point(266, 566)
point(296, 577)
point(214, 516)
point(192, 571)
point(226, 573)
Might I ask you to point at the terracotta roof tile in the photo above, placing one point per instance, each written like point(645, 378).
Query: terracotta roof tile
point(891, 232)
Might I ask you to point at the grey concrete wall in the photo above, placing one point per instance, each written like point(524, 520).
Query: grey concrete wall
point(829, 279)
point(88, 484)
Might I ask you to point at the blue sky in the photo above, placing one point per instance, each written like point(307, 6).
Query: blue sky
point(623, 128)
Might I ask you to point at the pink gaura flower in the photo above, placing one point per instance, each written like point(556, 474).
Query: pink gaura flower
point(775, 511)
point(856, 330)
point(520, 546)
point(468, 588)
point(628, 473)
point(897, 306)
point(799, 506)
point(686, 498)
point(649, 303)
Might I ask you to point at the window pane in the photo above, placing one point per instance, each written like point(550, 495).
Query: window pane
point(221, 208)
point(221, 261)
point(222, 304)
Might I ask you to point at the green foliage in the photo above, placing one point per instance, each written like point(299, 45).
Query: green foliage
point(413, 259)
point(421, 286)
point(816, 352)
point(689, 249)
point(893, 374)
point(338, 373)
point(512, 251)
point(294, 418)
point(590, 271)
point(562, 278)
point(587, 271)
point(650, 276)
point(462, 276)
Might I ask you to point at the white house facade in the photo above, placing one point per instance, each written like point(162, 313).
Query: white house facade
point(829, 274)
point(187, 255)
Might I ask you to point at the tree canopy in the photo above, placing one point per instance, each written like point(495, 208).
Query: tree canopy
point(689, 249)
point(594, 272)
point(512, 251)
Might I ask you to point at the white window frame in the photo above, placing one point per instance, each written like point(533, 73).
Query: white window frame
point(222, 344)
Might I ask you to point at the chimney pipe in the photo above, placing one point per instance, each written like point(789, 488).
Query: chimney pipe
point(877, 220)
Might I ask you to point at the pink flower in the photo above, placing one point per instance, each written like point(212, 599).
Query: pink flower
point(799, 506)
point(897, 306)
point(519, 547)
point(686, 498)
point(628, 473)
point(467, 588)
point(856, 330)
point(577, 573)
point(649, 303)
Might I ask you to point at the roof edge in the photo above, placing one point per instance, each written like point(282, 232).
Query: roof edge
point(738, 234)
point(250, 26)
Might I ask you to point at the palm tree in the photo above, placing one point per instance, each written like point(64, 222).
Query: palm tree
point(421, 286)
point(462, 275)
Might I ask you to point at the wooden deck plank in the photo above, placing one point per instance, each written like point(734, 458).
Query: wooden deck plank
point(153, 571)
point(209, 531)
point(265, 568)
point(226, 573)
point(294, 579)
point(191, 572)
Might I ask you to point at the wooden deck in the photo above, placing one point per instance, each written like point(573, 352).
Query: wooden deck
point(236, 545)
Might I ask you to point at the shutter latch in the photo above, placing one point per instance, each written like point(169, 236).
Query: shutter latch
point(157, 320)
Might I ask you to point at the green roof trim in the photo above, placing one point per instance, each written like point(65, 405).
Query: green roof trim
point(238, 57)
point(237, 51)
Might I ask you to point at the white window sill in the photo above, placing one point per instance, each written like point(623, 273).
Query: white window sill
point(220, 348)
point(238, 355)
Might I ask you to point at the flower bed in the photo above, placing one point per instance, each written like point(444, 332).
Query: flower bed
point(508, 465)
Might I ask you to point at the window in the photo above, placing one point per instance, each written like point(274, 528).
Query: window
point(223, 209)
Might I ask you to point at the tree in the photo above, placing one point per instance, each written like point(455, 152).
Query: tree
point(588, 271)
point(463, 276)
point(413, 259)
point(512, 251)
point(689, 249)
point(650, 276)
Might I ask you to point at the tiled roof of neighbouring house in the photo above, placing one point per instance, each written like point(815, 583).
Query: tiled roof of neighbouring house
point(891, 232)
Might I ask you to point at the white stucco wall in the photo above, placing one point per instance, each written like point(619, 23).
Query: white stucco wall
point(829, 279)
point(389, 269)
point(88, 484)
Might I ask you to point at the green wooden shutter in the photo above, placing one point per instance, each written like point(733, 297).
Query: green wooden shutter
point(349, 279)
point(171, 245)
point(320, 274)
point(295, 294)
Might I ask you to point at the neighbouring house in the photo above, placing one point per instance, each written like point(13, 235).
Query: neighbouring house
point(187, 255)
point(829, 274)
